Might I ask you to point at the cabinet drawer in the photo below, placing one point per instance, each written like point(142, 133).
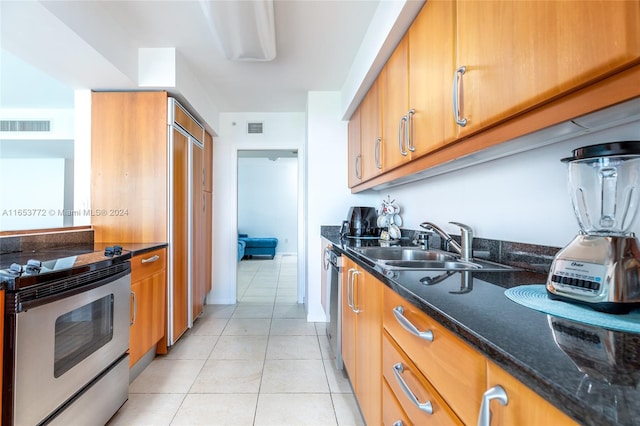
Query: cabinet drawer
point(146, 264)
point(392, 360)
point(392, 412)
point(455, 369)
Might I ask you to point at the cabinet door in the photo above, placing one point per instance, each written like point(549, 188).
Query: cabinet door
point(180, 242)
point(348, 322)
point(129, 165)
point(371, 134)
point(394, 80)
point(198, 232)
point(208, 162)
point(548, 49)
point(431, 62)
point(354, 171)
point(524, 406)
point(148, 305)
point(368, 301)
point(208, 241)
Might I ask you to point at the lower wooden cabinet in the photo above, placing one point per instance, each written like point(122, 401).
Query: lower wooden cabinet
point(524, 407)
point(459, 378)
point(392, 412)
point(148, 302)
point(361, 338)
point(417, 397)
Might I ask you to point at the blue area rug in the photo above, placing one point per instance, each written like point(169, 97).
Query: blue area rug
point(535, 297)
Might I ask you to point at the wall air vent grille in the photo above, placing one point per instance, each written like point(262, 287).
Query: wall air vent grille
point(255, 128)
point(25, 126)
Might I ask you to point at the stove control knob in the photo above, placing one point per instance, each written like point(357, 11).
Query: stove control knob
point(108, 251)
point(33, 266)
point(117, 250)
point(16, 268)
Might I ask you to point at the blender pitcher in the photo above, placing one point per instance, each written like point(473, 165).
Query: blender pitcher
point(601, 266)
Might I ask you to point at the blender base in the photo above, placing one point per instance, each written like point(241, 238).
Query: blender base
point(602, 272)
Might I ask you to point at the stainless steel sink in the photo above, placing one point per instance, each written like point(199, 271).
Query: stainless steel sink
point(415, 258)
point(396, 253)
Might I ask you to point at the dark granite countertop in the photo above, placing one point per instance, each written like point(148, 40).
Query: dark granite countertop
point(591, 374)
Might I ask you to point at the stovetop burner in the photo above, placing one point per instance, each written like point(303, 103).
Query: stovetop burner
point(25, 269)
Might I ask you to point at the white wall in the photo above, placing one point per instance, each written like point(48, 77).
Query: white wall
point(521, 198)
point(268, 200)
point(328, 197)
point(281, 131)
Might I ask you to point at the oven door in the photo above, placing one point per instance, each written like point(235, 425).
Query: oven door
point(63, 345)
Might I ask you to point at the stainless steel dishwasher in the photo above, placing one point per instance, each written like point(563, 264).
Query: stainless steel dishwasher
point(333, 266)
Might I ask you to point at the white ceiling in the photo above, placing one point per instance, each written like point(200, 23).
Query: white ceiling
point(94, 44)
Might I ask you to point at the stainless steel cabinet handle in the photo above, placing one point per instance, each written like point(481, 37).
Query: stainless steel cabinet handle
point(349, 288)
point(457, 77)
point(398, 423)
point(398, 312)
point(401, 135)
point(358, 174)
point(134, 303)
point(496, 392)
point(409, 130)
point(377, 148)
point(423, 406)
point(354, 296)
point(151, 259)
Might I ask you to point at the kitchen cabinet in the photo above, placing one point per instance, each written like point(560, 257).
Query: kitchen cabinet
point(431, 59)
point(417, 397)
point(451, 366)
point(149, 173)
point(371, 134)
point(148, 304)
point(361, 338)
point(394, 87)
point(392, 412)
point(555, 61)
point(524, 407)
point(354, 174)
point(546, 50)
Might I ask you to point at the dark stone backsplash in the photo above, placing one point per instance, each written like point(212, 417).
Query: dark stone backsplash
point(531, 257)
point(30, 242)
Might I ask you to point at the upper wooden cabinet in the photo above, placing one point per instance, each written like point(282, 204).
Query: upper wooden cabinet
point(371, 134)
point(394, 88)
point(519, 54)
point(431, 59)
point(207, 170)
point(354, 173)
point(470, 74)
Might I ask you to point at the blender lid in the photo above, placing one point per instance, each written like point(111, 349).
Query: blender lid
point(609, 149)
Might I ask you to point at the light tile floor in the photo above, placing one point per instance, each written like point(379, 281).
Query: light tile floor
point(255, 363)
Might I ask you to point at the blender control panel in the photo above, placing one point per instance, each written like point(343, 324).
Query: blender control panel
point(575, 275)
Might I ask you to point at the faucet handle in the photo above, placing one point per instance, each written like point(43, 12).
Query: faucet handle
point(466, 240)
point(462, 226)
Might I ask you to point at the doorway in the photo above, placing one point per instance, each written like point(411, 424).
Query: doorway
point(267, 207)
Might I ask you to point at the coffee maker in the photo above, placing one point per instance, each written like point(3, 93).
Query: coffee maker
point(361, 223)
point(601, 266)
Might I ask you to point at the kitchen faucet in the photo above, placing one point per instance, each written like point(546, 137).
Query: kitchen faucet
point(466, 237)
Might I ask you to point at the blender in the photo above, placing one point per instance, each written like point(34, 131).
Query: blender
point(601, 266)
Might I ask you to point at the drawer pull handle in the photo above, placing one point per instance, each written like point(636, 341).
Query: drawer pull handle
point(134, 304)
point(398, 311)
point(398, 423)
point(496, 392)
point(151, 259)
point(426, 406)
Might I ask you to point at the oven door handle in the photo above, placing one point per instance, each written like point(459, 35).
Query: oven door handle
point(23, 305)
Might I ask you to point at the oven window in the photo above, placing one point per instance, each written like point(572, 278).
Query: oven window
point(81, 332)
